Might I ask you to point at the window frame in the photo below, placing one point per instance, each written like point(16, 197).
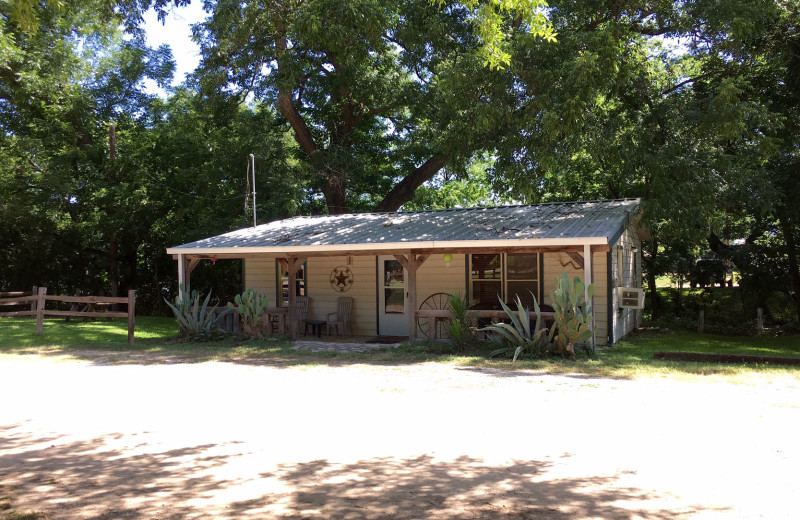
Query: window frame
point(504, 276)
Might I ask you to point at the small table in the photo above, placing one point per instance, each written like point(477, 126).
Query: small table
point(316, 327)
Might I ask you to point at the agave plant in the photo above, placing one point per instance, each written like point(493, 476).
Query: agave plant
point(573, 315)
point(195, 321)
point(518, 334)
point(251, 306)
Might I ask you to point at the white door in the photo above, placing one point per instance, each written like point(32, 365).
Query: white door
point(392, 304)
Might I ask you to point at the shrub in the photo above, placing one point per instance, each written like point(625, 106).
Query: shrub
point(518, 335)
point(461, 326)
point(195, 321)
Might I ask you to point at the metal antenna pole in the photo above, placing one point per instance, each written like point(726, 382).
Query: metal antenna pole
point(253, 166)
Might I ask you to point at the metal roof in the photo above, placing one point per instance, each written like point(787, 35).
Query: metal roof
point(588, 222)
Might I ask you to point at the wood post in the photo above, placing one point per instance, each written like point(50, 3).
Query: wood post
point(131, 318)
point(181, 274)
point(293, 265)
point(33, 303)
point(760, 320)
point(40, 309)
point(587, 275)
point(701, 321)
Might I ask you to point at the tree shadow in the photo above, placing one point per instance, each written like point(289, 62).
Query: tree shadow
point(90, 479)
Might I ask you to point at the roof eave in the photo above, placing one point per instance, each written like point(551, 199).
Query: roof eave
point(392, 246)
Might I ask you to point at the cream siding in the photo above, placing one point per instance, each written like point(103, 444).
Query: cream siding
point(260, 275)
point(323, 297)
point(555, 264)
point(626, 271)
point(434, 276)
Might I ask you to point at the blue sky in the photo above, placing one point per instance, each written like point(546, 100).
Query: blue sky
point(176, 33)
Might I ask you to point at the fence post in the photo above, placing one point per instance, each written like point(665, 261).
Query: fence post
point(40, 309)
point(701, 321)
point(33, 302)
point(760, 320)
point(131, 318)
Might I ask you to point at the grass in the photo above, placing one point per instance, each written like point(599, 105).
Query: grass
point(106, 341)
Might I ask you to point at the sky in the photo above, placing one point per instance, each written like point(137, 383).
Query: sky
point(176, 33)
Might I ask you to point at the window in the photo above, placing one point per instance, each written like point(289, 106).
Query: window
point(506, 276)
point(393, 287)
point(299, 283)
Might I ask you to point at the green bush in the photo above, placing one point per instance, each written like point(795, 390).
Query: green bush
point(195, 321)
point(460, 328)
point(518, 335)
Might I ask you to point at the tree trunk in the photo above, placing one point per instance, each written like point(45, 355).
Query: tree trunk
point(651, 280)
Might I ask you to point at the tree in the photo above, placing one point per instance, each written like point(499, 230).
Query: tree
point(380, 94)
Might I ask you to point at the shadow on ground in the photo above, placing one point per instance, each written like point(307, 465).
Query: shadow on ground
point(93, 479)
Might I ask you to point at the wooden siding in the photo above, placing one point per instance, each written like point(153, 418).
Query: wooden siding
point(434, 276)
point(260, 275)
point(323, 297)
point(555, 264)
point(626, 271)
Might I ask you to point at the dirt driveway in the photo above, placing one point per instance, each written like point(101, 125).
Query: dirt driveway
point(221, 440)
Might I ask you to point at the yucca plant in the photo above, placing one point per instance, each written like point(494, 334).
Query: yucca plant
point(251, 306)
point(460, 328)
point(195, 321)
point(518, 334)
point(573, 315)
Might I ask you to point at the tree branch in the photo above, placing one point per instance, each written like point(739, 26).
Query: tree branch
point(404, 190)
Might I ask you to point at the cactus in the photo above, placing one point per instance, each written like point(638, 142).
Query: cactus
point(251, 307)
point(195, 321)
point(573, 316)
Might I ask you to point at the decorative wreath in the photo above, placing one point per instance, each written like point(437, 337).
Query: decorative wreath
point(341, 278)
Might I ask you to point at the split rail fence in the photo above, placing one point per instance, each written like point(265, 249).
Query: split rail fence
point(39, 297)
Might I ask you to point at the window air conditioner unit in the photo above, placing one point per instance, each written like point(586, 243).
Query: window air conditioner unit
point(630, 297)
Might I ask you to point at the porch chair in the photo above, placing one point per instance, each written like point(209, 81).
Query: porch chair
point(341, 318)
point(302, 313)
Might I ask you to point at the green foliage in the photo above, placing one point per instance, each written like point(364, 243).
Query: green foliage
point(460, 328)
point(519, 335)
point(195, 321)
point(251, 306)
point(573, 315)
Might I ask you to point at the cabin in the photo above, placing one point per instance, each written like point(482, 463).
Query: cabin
point(400, 267)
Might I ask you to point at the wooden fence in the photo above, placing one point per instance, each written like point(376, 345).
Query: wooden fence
point(37, 302)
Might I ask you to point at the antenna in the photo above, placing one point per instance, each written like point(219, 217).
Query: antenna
point(253, 169)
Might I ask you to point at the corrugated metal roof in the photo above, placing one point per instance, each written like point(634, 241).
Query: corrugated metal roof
point(601, 219)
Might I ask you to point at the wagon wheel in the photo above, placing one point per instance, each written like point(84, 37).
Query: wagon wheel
point(434, 327)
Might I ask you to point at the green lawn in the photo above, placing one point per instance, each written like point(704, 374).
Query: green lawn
point(155, 343)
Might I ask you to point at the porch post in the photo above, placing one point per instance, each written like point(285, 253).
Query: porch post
point(292, 308)
point(412, 297)
point(587, 279)
point(181, 272)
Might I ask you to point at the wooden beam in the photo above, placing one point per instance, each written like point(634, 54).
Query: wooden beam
point(411, 285)
point(587, 279)
point(427, 251)
point(40, 310)
point(131, 318)
point(403, 261)
point(181, 272)
point(293, 264)
point(191, 264)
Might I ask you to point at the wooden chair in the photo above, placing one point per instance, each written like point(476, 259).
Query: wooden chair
point(341, 318)
point(302, 313)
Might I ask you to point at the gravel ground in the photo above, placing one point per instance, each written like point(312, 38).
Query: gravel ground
point(83, 440)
